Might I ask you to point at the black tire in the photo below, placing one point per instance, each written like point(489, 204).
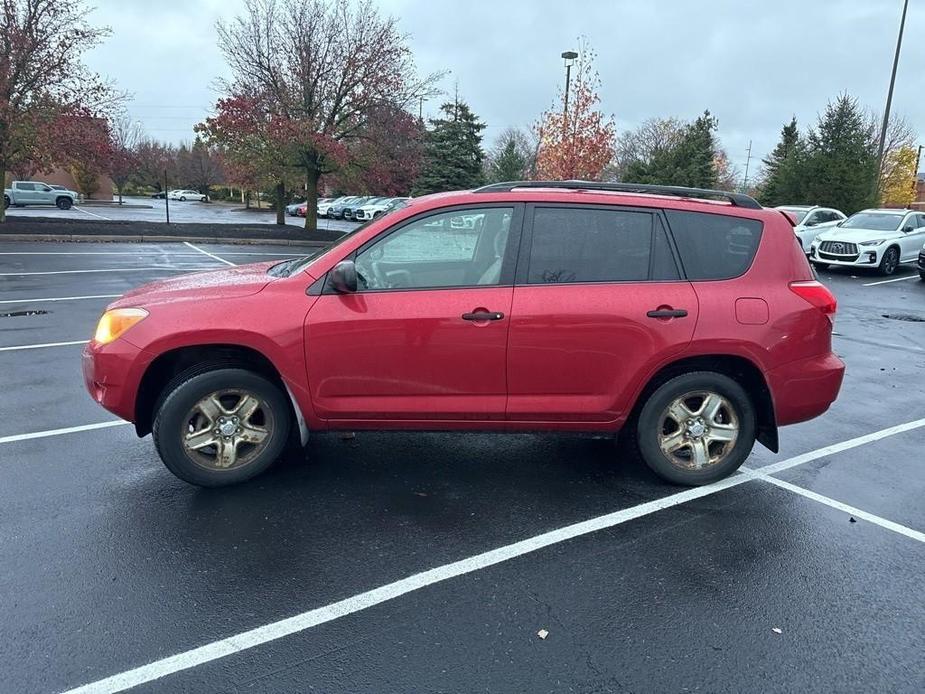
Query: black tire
point(820, 266)
point(181, 397)
point(890, 261)
point(651, 426)
point(182, 198)
point(64, 203)
point(6, 201)
point(922, 275)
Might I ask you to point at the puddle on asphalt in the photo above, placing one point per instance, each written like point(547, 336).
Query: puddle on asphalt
point(17, 314)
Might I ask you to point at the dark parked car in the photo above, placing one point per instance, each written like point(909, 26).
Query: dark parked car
point(351, 208)
point(336, 210)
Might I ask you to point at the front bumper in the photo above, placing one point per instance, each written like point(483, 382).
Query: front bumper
point(112, 374)
point(921, 263)
point(867, 256)
point(805, 388)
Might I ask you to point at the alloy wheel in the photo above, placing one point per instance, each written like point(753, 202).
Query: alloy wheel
point(698, 430)
point(227, 429)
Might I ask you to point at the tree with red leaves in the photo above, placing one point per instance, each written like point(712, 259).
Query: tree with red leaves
point(43, 84)
point(386, 156)
point(577, 142)
point(316, 70)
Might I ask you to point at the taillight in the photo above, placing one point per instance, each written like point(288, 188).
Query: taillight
point(816, 294)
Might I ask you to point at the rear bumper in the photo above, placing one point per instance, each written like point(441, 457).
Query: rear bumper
point(805, 388)
point(112, 374)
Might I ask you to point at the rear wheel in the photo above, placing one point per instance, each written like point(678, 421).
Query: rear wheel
point(696, 428)
point(6, 201)
point(182, 198)
point(64, 203)
point(890, 261)
point(922, 275)
point(221, 427)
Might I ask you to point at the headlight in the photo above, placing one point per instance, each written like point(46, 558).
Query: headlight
point(115, 322)
point(872, 243)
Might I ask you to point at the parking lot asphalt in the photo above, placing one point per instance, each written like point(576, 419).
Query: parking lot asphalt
point(430, 562)
point(152, 210)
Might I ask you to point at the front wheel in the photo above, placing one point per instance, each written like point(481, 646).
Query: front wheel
point(890, 261)
point(820, 266)
point(922, 275)
point(6, 201)
point(182, 198)
point(696, 428)
point(64, 203)
point(221, 427)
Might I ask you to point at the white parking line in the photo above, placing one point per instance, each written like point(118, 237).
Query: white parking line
point(92, 214)
point(108, 269)
point(59, 432)
point(43, 344)
point(211, 255)
point(320, 615)
point(60, 298)
point(895, 279)
point(863, 515)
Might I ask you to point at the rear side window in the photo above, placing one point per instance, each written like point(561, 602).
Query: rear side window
point(573, 245)
point(714, 246)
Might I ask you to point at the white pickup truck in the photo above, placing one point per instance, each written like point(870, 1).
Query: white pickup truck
point(22, 193)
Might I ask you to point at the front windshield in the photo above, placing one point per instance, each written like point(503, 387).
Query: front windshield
point(874, 221)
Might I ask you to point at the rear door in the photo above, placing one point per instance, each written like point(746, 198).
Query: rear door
point(912, 241)
point(598, 298)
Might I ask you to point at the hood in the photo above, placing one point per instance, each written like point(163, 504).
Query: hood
point(231, 282)
point(855, 235)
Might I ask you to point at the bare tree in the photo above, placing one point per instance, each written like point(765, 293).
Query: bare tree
point(642, 144)
point(125, 136)
point(320, 67)
point(200, 166)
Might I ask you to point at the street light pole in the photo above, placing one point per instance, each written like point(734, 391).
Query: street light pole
point(889, 94)
point(568, 56)
point(166, 196)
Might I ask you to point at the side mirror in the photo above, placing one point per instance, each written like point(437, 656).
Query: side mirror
point(908, 228)
point(344, 277)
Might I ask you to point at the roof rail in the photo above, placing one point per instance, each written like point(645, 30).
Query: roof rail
point(737, 199)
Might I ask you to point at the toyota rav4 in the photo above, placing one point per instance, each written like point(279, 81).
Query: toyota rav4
point(689, 320)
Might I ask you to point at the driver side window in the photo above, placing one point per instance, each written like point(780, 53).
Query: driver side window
point(451, 249)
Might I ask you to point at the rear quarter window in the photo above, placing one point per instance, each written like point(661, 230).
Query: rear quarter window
point(714, 246)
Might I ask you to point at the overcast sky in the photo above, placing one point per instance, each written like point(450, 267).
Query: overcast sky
point(753, 63)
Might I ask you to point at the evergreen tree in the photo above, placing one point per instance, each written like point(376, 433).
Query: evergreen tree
point(452, 152)
point(840, 168)
point(691, 161)
point(510, 159)
point(782, 182)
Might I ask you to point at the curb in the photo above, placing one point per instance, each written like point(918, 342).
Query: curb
point(159, 239)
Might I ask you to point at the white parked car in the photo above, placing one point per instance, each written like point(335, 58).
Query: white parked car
point(325, 204)
point(376, 208)
point(184, 195)
point(880, 239)
point(812, 220)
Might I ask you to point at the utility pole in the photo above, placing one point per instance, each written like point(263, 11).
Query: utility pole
point(747, 160)
point(889, 95)
point(915, 175)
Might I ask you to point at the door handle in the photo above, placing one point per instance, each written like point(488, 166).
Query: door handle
point(483, 315)
point(668, 313)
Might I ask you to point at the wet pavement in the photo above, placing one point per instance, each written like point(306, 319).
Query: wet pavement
point(152, 210)
point(110, 564)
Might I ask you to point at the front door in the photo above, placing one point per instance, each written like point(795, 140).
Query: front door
point(598, 299)
point(913, 240)
point(425, 335)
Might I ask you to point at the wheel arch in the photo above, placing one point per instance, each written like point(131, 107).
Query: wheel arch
point(739, 368)
point(202, 357)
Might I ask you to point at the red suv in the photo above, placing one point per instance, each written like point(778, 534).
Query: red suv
point(689, 319)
